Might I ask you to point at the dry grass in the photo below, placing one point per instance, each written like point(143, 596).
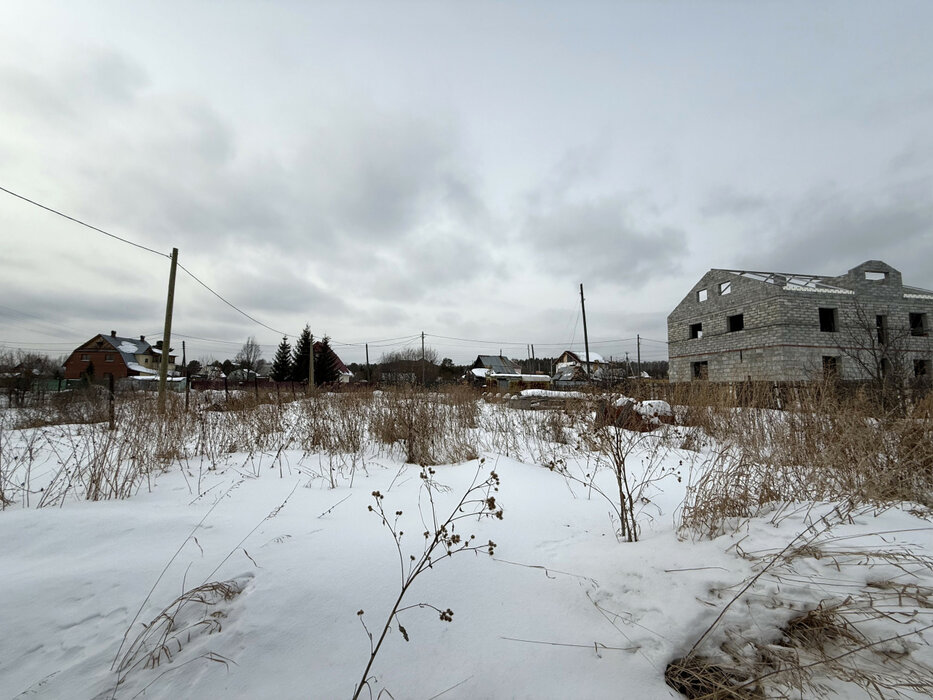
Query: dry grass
point(195, 612)
point(821, 448)
point(698, 677)
point(864, 637)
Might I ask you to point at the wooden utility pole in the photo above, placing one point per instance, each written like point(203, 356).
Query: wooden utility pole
point(369, 377)
point(167, 335)
point(638, 339)
point(586, 339)
point(423, 382)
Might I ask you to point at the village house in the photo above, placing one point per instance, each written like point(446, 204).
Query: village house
point(503, 373)
point(104, 356)
point(737, 325)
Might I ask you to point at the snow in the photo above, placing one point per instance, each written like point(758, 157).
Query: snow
point(552, 394)
point(128, 347)
point(562, 609)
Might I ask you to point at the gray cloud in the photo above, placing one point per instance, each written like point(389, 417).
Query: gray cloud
point(828, 231)
point(604, 239)
point(730, 202)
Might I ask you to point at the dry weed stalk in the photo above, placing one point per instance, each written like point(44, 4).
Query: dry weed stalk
point(843, 639)
point(441, 541)
point(193, 613)
point(821, 448)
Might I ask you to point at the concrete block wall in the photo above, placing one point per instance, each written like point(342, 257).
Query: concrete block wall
point(782, 339)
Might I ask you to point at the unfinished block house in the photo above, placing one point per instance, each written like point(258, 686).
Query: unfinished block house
point(737, 325)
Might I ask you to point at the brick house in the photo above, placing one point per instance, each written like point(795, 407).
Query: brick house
point(117, 356)
point(738, 325)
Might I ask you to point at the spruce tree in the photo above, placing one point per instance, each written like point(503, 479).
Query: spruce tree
point(282, 364)
point(326, 363)
point(300, 356)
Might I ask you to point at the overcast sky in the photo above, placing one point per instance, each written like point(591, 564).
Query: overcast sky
point(379, 169)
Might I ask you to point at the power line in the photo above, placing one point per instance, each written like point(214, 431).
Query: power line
point(387, 342)
point(543, 345)
point(83, 223)
point(231, 305)
point(141, 247)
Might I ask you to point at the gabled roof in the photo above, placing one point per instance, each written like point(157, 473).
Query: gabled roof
point(128, 348)
point(497, 364)
point(581, 357)
point(342, 368)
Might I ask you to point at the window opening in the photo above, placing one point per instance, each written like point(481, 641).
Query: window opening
point(876, 276)
point(881, 324)
point(830, 366)
point(725, 288)
point(921, 368)
point(702, 295)
point(696, 330)
point(701, 370)
point(918, 324)
point(827, 320)
point(736, 323)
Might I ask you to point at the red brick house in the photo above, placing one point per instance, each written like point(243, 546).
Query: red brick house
point(105, 355)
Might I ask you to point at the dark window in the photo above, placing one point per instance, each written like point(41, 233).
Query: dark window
point(701, 370)
point(84, 358)
point(830, 366)
point(109, 357)
point(827, 320)
point(921, 368)
point(702, 295)
point(696, 330)
point(736, 323)
point(918, 324)
point(885, 367)
point(881, 324)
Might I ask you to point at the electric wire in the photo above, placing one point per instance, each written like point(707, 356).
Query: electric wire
point(387, 342)
point(83, 223)
point(230, 304)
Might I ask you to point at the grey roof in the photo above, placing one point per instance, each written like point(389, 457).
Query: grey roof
point(127, 347)
point(498, 364)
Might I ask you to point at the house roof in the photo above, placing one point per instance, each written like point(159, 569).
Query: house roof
point(917, 293)
point(796, 282)
point(342, 368)
point(497, 364)
point(127, 347)
point(594, 357)
point(792, 281)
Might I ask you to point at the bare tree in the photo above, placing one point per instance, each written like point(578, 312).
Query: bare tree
point(878, 345)
point(405, 366)
point(249, 355)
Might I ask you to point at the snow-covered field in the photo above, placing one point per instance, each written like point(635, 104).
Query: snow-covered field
point(96, 597)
